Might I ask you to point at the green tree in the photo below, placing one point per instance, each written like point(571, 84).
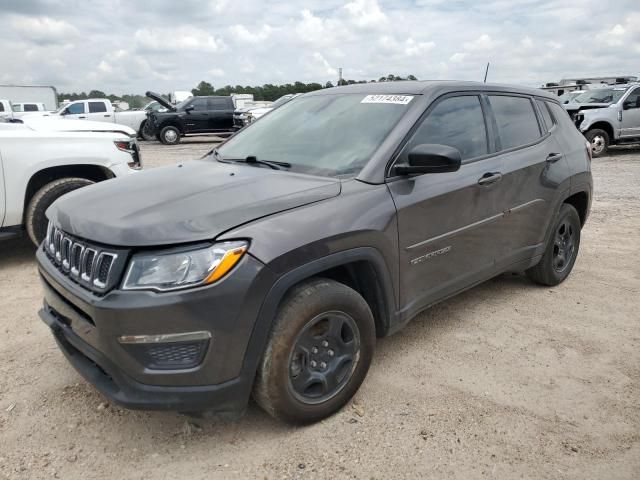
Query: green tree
point(97, 94)
point(203, 89)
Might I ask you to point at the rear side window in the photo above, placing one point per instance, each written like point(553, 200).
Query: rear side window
point(516, 119)
point(545, 114)
point(76, 108)
point(97, 107)
point(30, 107)
point(1, 107)
point(560, 115)
point(457, 122)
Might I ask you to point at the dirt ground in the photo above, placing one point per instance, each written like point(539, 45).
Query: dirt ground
point(508, 380)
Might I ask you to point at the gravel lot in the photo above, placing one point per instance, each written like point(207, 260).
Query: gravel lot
point(508, 380)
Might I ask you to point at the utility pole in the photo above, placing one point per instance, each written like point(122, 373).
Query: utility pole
point(486, 73)
point(339, 75)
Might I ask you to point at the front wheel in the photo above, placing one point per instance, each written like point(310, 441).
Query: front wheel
point(170, 135)
point(599, 141)
point(35, 218)
point(318, 353)
point(146, 132)
point(561, 251)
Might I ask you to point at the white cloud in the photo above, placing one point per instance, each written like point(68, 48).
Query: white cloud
point(44, 29)
point(365, 13)
point(243, 34)
point(176, 40)
point(483, 43)
point(216, 72)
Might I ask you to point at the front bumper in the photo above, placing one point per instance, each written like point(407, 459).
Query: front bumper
point(87, 328)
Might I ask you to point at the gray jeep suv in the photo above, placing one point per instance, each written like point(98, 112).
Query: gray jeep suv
point(270, 266)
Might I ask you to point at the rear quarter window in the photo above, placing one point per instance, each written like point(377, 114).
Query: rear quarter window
point(97, 107)
point(546, 116)
point(30, 107)
point(516, 119)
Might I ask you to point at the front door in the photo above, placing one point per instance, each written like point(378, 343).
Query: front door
point(76, 111)
point(2, 194)
point(631, 116)
point(447, 221)
point(197, 119)
point(221, 114)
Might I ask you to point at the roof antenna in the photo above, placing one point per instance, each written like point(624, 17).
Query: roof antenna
point(486, 72)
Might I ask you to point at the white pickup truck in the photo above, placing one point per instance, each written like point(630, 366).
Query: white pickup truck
point(6, 109)
point(21, 109)
point(97, 110)
point(41, 160)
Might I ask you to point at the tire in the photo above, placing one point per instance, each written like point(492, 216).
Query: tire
point(303, 333)
point(170, 135)
point(146, 133)
point(35, 218)
point(599, 140)
point(556, 262)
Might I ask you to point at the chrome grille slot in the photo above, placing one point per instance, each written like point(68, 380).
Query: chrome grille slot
point(91, 266)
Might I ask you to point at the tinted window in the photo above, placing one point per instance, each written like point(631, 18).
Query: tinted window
point(457, 122)
point(218, 104)
point(1, 107)
point(517, 122)
point(560, 115)
point(633, 100)
point(199, 104)
point(30, 107)
point(545, 114)
point(97, 107)
point(76, 108)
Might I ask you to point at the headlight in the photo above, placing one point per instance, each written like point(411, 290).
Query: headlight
point(173, 270)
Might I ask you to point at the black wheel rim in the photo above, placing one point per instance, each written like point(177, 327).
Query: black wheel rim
point(564, 246)
point(324, 357)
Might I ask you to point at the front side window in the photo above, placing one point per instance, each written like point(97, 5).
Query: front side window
point(199, 104)
point(457, 122)
point(330, 134)
point(516, 119)
point(633, 100)
point(75, 108)
point(97, 107)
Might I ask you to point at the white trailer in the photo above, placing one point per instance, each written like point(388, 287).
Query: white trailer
point(31, 94)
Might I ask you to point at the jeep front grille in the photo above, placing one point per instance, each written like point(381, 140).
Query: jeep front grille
point(94, 267)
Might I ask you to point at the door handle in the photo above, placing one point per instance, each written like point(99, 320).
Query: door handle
point(490, 178)
point(82, 117)
point(553, 157)
point(107, 115)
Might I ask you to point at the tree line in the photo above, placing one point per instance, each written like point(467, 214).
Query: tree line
point(268, 92)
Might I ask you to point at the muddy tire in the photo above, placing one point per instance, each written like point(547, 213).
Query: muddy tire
point(318, 353)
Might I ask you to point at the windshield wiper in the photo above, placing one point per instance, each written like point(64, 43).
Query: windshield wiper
point(253, 160)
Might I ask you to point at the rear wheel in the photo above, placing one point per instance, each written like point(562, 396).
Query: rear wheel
point(318, 353)
point(170, 135)
point(599, 141)
point(562, 249)
point(35, 218)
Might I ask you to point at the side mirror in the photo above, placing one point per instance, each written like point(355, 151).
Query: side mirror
point(65, 112)
point(431, 158)
point(189, 109)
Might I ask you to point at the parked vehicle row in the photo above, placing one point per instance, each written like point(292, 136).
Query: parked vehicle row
point(43, 160)
point(243, 117)
point(232, 275)
point(608, 116)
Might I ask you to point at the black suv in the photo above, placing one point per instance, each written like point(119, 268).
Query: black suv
point(270, 266)
point(195, 115)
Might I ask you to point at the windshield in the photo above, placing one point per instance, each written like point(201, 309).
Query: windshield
point(568, 97)
point(61, 107)
point(329, 135)
point(183, 103)
point(281, 101)
point(601, 95)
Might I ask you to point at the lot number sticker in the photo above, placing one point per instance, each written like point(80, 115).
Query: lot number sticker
point(396, 99)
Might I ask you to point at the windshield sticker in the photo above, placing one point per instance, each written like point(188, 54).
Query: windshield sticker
point(395, 99)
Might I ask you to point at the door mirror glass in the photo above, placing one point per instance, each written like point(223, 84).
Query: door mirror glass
point(431, 158)
point(189, 109)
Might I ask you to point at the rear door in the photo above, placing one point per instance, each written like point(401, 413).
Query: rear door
point(221, 113)
point(2, 192)
point(631, 116)
point(98, 112)
point(533, 165)
point(447, 222)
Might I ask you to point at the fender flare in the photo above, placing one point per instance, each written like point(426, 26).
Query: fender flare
point(268, 310)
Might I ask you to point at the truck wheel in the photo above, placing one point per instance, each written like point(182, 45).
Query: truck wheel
point(35, 219)
point(146, 133)
point(599, 140)
point(318, 353)
point(562, 249)
point(170, 135)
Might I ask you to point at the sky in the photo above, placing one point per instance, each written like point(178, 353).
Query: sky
point(128, 46)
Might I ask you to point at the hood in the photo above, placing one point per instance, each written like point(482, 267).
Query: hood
point(61, 125)
point(192, 202)
point(574, 107)
point(161, 100)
